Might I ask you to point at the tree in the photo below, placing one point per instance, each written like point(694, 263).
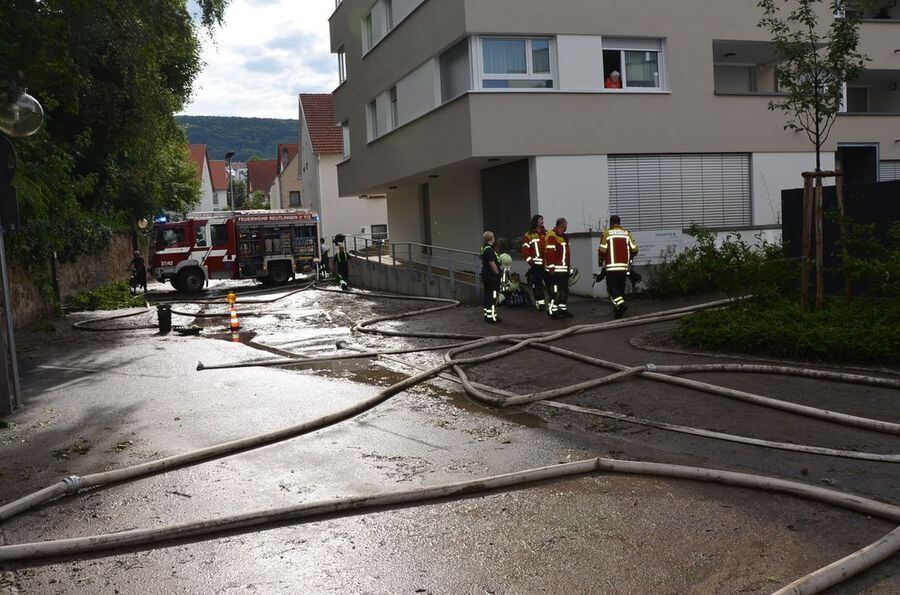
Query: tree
point(240, 193)
point(813, 64)
point(110, 75)
point(257, 200)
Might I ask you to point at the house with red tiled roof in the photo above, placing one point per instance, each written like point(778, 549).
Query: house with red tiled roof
point(219, 177)
point(261, 175)
point(200, 159)
point(322, 149)
point(288, 185)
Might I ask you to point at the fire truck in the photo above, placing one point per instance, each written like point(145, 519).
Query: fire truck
point(270, 246)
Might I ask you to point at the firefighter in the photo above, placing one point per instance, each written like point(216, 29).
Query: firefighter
point(138, 272)
point(533, 247)
point(558, 261)
point(617, 249)
point(490, 278)
point(323, 259)
point(342, 265)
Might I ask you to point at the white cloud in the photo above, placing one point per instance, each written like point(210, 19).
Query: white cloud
point(267, 52)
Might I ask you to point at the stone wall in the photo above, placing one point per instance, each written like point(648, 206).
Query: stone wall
point(31, 288)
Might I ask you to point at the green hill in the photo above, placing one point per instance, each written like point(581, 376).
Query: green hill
point(247, 137)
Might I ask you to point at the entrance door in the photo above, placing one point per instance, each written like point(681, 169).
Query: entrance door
point(858, 162)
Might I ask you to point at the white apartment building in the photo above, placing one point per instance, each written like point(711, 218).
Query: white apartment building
point(473, 115)
point(321, 151)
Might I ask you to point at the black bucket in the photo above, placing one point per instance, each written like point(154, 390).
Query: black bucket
point(164, 315)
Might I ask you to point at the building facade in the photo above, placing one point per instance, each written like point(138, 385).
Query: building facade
point(321, 152)
point(472, 115)
point(200, 159)
point(288, 184)
point(219, 178)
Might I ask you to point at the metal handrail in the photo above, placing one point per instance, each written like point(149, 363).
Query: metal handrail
point(457, 266)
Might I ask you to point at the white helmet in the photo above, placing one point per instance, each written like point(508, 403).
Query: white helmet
point(505, 260)
point(574, 276)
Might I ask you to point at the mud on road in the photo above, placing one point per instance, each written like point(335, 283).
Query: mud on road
point(103, 400)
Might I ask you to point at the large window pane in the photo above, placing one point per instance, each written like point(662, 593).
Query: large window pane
point(517, 84)
point(642, 69)
point(540, 55)
point(504, 56)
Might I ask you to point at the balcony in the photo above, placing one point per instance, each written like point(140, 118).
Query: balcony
point(744, 68)
point(875, 10)
point(875, 92)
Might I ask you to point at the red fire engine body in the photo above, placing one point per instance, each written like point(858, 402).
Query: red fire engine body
point(271, 246)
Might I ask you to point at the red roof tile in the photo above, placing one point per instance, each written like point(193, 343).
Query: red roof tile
point(261, 174)
point(199, 158)
point(286, 154)
point(218, 175)
point(318, 112)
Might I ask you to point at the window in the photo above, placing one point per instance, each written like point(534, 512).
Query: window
point(639, 62)
point(389, 14)
point(345, 137)
point(379, 232)
point(342, 65)
point(218, 234)
point(510, 63)
point(857, 99)
point(294, 198)
point(201, 237)
point(166, 238)
point(368, 39)
point(455, 71)
point(395, 112)
point(654, 192)
point(215, 198)
point(889, 171)
point(372, 113)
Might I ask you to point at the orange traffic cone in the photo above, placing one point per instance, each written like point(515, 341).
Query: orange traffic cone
point(235, 325)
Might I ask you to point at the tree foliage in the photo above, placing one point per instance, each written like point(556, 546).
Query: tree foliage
point(814, 62)
point(110, 75)
point(247, 137)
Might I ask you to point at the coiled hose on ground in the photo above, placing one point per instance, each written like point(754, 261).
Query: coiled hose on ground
point(814, 582)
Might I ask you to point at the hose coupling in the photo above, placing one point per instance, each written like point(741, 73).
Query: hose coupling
point(74, 483)
point(651, 367)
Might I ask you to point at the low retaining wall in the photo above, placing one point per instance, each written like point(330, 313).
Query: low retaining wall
point(31, 288)
point(402, 280)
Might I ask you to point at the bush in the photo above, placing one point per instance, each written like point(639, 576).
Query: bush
point(873, 259)
point(733, 267)
point(109, 297)
point(866, 331)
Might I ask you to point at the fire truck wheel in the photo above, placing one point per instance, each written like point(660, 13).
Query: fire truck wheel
point(279, 273)
point(190, 280)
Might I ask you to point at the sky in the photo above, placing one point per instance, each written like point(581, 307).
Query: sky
point(265, 54)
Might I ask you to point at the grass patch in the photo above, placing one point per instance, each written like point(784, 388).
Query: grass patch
point(109, 297)
point(866, 331)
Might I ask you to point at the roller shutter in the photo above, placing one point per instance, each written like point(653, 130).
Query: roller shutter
point(672, 191)
point(889, 171)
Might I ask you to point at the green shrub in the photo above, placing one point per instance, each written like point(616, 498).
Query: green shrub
point(733, 267)
point(866, 331)
point(109, 297)
point(873, 262)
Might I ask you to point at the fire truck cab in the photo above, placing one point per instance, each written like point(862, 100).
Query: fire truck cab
point(270, 246)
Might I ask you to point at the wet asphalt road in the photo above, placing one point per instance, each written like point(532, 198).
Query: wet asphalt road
point(99, 401)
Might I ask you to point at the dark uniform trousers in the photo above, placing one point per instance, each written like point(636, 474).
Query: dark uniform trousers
point(615, 287)
point(491, 283)
point(538, 279)
point(559, 292)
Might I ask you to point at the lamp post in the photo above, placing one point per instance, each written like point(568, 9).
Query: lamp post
point(20, 115)
point(228, 157)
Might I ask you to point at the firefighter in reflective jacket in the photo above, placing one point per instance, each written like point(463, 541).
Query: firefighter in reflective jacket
point(558, 260)
point(490, 278)
point(533, 248)
point(617, 249)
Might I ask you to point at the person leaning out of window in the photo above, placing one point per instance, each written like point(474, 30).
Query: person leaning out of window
point(613, 81)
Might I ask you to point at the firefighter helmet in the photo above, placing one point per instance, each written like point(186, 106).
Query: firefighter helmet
point(505, 260)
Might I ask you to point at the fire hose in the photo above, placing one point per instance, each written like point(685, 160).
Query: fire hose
point(538, 340)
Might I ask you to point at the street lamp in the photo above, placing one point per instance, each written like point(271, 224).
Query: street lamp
point(228, 157)
point(20, 115)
